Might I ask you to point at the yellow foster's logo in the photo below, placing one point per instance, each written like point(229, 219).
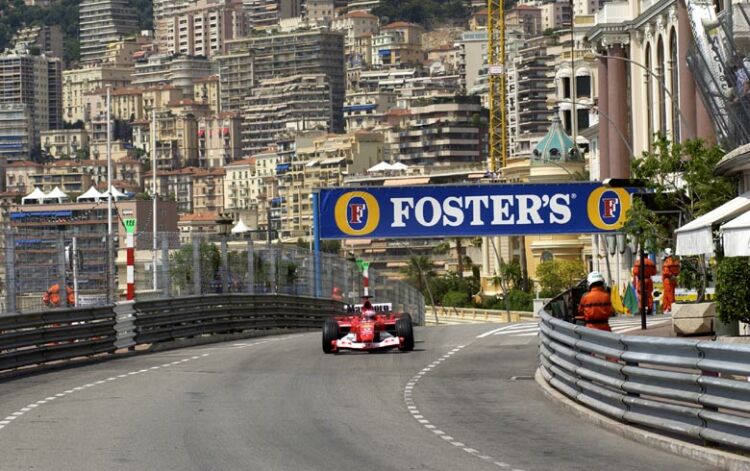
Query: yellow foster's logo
point(608, 207)
point(357, 213)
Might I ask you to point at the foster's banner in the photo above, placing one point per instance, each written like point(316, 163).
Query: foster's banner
point(471, 210)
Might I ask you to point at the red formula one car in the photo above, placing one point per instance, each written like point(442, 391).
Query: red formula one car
point(368, 327)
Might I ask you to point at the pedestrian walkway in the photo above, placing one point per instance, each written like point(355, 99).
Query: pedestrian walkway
point(619, 325)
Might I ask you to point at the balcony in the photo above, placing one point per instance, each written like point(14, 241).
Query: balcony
point(723, 93)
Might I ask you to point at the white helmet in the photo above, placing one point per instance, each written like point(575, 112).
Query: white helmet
point(667, 252)
point(594, 277)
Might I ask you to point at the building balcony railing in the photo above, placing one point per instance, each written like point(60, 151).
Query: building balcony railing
point(722, 71)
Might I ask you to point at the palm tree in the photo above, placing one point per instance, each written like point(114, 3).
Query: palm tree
point(419, 271)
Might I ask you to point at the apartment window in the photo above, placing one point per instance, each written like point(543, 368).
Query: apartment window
point(583, 86)
point(566, 87)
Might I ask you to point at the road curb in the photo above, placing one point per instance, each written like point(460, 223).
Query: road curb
point(718, 458)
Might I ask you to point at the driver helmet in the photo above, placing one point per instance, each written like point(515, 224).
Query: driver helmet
point(368, 313)
point(594, 277)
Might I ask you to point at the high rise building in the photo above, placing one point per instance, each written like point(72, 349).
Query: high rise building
point(251, 60)
point(31, 92)
point(180, 71)
point(297, 102)
point(263, 14)
point(203, 28)
point(530, 85)
point(448, 134)
point(76, 83)
point(48, 39)
point(103, 22)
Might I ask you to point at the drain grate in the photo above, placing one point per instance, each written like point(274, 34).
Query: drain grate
point(521, 378)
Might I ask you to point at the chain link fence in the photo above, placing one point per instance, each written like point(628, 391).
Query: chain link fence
point(174, 265)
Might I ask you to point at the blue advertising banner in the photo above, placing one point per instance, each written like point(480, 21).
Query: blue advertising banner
point(471, 210)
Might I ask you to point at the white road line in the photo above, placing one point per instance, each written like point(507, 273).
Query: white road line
point(419, 417)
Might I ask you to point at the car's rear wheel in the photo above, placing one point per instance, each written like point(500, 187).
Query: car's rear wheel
point(330, 333)
point(404, 329)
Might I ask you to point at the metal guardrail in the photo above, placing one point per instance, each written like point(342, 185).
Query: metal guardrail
point(174, 319)
point(37, 339)
point(692, 388)
point(32, 339)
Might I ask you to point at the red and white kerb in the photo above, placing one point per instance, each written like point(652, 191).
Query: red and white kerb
point(131, 266)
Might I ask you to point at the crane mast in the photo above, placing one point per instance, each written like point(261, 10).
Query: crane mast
point(498, 148)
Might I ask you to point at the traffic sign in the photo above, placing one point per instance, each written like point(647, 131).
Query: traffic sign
point(129, 225)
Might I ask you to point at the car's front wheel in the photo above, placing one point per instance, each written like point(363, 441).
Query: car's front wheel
point(405, 330)
point(330, 333)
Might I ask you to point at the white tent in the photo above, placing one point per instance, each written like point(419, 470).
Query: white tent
point(35, 197)
point(240, 228)
point(92, 195)
point(696, 237)
point(116, 194)
point(736, 236)
point(381, 167)
point(399, 166)
point(56, 196)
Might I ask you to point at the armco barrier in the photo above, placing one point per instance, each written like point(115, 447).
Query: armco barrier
point(56, 336)
point(694, 388)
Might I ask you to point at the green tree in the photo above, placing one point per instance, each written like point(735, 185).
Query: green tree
point(680, 175)
point(420, 272)
point(181, 266)
point(555, 276)
point(733, 289)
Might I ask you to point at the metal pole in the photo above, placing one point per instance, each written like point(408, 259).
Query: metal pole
point(653, 74)
point(197, 285)
point(643, 287)
point(61, 268)
point(74, 254)
point(10, 272)
point(224, 265)
point(154, 196)
point(574, 109)
point(167, 288)
point(110, 236)
point(250, 267)
point(316, 244)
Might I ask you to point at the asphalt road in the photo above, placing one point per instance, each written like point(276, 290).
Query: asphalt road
point(281, 404)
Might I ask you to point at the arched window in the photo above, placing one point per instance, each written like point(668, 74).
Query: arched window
point(674, 86)
point(660, 71)
point(547, 256)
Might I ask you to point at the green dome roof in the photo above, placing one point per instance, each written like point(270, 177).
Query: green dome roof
point(555, 146)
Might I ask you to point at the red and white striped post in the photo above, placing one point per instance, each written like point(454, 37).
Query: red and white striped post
point(366, 281)
point(130, 247)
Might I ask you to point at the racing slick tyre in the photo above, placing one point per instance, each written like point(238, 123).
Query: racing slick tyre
point(404, 329)
point(330, 333)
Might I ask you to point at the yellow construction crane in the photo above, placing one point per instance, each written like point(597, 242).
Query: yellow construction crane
point(497, 72)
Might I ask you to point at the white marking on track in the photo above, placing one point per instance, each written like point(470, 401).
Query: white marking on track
point(9, 419)
point(419, 417)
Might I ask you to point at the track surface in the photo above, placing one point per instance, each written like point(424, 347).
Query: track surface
point(280, 404)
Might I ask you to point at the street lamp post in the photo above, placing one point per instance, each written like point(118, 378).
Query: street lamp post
point(224, 223)
point(658, 77)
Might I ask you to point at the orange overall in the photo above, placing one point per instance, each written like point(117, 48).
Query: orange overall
point(669, 272)
point(650, 271)
point(596, 308)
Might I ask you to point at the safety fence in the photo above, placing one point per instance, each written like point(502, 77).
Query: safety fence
point(56, 336)
point(695, 389)
point(43, 269)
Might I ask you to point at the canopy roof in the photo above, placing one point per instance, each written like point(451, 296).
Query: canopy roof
point(696, 237)
point(56, 193)
point(380, 167)
point(91, 194)
point(36, 195)
point(240, 228)
point(736, 236)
